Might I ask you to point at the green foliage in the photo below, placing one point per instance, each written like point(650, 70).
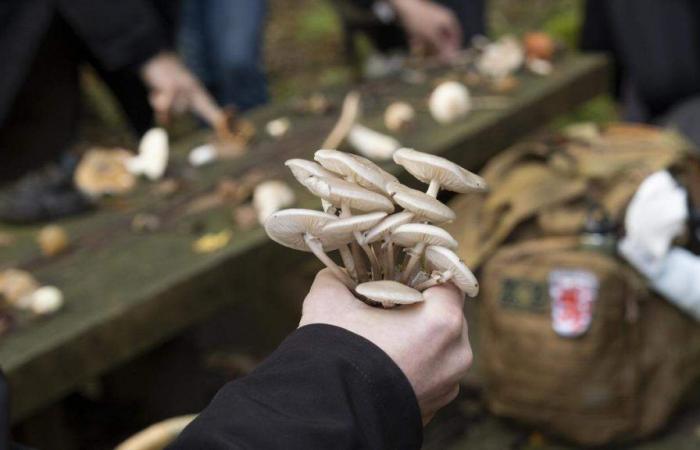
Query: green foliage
point(318, 22)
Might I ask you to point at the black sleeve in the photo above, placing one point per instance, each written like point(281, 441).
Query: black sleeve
point(323, 388)
point(118, 33)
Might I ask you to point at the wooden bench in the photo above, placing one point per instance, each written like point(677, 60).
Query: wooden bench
point(126, 292)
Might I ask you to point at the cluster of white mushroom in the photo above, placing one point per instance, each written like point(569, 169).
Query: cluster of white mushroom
point(389, 256)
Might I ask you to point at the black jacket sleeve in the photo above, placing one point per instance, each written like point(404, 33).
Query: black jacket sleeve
point(323, 388)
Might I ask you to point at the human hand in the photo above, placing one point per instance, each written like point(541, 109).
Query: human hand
point(430, 27)
point(428, 340)
point(175, 90)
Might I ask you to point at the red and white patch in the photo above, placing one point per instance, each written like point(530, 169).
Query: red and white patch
point(573, 294)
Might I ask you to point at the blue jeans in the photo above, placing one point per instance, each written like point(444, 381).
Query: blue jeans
point(220, 41)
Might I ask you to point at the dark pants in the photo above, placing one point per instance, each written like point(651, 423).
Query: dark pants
point(221, 42)
point(43, 121)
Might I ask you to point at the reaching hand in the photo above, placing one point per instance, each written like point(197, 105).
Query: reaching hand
point(175, 90)
point(430, 27)
point(428, 340)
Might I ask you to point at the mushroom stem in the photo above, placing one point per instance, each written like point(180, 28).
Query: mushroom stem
point(416, 253)
point(442, 278)
point(390, 261)
point(348, 261)
point(317, 248)
point(433, 188)
point(345, 212)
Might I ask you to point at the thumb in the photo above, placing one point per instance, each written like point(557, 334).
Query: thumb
point(327, 298)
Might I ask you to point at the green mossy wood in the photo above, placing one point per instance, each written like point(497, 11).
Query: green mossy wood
point(127, 292)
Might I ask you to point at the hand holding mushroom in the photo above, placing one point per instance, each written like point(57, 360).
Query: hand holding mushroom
point(389, 257)
point(431, 334)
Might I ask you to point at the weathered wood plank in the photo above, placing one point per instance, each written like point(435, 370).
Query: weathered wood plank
point(126, 292)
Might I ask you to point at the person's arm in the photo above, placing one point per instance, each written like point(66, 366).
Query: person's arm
point(351, 377)
point(130, 34)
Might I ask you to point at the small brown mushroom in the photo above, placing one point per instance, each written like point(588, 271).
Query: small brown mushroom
point(449, 268)
point(389, 293)
point(539, 45)
point(399, 116)
point(103, 171)
point(302, 229)
point(52, 240)
point(438, 172)
point(16, 285)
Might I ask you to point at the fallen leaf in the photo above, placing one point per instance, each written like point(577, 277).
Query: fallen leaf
point(212, 242)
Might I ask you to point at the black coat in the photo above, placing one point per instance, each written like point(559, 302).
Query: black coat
point(323, 388)
point(117, 34)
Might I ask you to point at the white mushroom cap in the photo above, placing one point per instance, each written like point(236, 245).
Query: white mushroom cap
point(303, 168)
point(501, 58)
point(389, 292)
point(411, 234)
point(152, 159)
point(346, 225)
point(387, 226)
point(445, 260)
point(420, 203)
point(427, 167)
point(449, 101)
point(339, 191)
point(355, 168)
point(289, 227)
point(270, 196)
point(371, 143)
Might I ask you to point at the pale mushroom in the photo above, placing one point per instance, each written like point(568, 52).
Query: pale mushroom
point(399, 116)
point(501, 58)
point(418, 236)
point(302, 229)
point(348, 116)
point(355, 169)
point(425, 207)
point(152, 159)
point(347, 195)
point(103, 171)
point(449, 102)
point(438, 173)
point(355, 225)
point(271, 196)
point(278, 127)
point(45, 300)
point(202, 155)
point(389, 293)
point(303, 168)
point(447, 266)
point(372, 144)
point(383, 231)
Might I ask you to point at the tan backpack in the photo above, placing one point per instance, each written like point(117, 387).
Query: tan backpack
point(572, 341)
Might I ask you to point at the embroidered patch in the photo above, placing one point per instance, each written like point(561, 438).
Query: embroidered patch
point(524, 294)
point(573, 294)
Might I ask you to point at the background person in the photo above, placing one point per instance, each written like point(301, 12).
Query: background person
point(44, 43)
point(221, 42)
